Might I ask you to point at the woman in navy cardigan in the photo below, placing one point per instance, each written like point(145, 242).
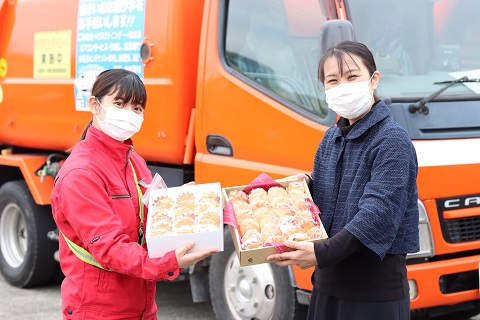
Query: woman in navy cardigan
point(364, 182)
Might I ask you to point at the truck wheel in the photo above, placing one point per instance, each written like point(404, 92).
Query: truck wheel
point(26, 254)
point(255, 292)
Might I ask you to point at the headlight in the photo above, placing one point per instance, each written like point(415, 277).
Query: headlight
point(413, 289)
point(427, 248)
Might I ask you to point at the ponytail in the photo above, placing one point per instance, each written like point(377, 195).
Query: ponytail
point(82, 137)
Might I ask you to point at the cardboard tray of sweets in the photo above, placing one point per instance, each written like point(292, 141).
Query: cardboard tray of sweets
point(257, 256)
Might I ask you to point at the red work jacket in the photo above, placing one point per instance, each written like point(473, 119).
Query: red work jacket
point(95, 205)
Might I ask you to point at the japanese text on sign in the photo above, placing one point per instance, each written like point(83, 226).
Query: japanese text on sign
point(109, 36)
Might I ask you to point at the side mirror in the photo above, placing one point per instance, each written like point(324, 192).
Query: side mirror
point(333, 32)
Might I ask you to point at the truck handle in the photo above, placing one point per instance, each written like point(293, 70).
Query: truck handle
point(217, 144)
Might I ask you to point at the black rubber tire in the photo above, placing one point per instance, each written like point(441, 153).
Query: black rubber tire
point(39, 265)
point(287, 306)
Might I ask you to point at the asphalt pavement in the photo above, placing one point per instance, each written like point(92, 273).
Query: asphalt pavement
point(174, 302)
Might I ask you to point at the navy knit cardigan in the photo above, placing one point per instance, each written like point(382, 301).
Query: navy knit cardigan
point(365, 182)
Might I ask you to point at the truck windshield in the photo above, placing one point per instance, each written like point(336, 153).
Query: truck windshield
point(419, 42)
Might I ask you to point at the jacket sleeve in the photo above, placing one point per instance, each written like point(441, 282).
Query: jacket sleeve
point(383, 204)
point(85, 204)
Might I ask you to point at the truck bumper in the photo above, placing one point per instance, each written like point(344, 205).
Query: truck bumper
point(445, 282)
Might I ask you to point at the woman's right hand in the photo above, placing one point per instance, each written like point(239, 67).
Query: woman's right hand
point(186, 259)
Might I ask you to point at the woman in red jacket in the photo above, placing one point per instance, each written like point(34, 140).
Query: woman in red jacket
point(95, 203)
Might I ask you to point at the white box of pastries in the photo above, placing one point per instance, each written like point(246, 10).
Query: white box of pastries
point(269, 215)
point(179, 215)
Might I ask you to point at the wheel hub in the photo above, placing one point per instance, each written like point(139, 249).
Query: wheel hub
point(250, 291)
point(14, 235)
point(245, 289)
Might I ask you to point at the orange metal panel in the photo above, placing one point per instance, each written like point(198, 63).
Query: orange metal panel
point(40, 113)
point(445, 181)
point(28, 164)
point(427, 276)
point(461, 213)
point(190, 141)
point(303, 278)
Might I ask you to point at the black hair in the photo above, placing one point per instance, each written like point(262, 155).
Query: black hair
point(128, 86)
point(348, 48)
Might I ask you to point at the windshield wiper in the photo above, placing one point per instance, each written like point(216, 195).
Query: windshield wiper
point(420, 105)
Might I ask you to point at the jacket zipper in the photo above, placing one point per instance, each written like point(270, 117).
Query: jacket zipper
point(120, 196)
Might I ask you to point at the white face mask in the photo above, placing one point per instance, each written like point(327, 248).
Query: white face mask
point(119, 124)
point(350, 100)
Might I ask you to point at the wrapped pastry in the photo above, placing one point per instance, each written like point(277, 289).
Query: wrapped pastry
point(210, 195)
point(296, 186)
point(238, 195)
point(268, 219)
point(284, 210)
point(274, 239)
point(296, 191)
point(186, 197)
point(301, 205)
point(179, 215)
point(185, 229)
point(261, 213)
point(275, 192)
point(184, 221)
point(269, 230)
point(280, 201)
point(251, 240)
point(298, 237)
point(163, 203)
point(162, 217)
point(248, 224)
point(206, 205)
point(185, 206)
point(289, 230)
point(258, 197)
point(306, 224)
point(205, 225)
point(161, 232)
point(161, 225)
point(314, 233)
point(242, 210)
point(209, 215)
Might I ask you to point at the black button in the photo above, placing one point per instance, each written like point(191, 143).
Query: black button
point(69, 311)
point(170, 274)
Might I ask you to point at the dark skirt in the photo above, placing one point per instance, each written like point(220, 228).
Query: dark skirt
point(324, 307)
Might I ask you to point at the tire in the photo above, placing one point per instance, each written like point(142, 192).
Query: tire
point(26, 253)
point(260, 292)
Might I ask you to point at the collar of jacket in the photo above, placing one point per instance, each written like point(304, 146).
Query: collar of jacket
point(378, 112)
point(118, 151)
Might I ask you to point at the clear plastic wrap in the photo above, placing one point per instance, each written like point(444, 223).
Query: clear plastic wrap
point(157, 183)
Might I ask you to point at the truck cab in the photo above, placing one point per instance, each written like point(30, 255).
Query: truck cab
point(233, 91)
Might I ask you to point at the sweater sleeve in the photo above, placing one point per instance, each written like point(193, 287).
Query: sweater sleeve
point(89, 221)
point(391, 185)
point(338, 248)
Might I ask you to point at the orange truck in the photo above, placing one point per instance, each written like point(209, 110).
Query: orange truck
point(232, 92)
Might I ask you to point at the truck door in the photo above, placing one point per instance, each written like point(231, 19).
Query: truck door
point(260, 107)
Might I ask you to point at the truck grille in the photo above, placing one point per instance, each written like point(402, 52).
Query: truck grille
point(461, 230)
point(460, 218)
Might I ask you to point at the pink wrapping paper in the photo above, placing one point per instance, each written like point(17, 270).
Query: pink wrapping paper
point(266, 182)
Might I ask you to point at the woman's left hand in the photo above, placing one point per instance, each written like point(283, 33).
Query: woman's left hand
point(302, 256)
